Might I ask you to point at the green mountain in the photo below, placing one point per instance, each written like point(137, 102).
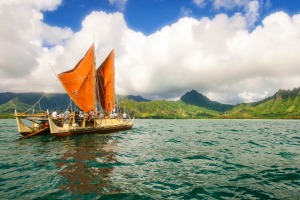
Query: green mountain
point(283, 104)
point(197, 99)
point(11, 106)
point(24, 101)
point(165, 109)
point(9, 102)
point(132, 97)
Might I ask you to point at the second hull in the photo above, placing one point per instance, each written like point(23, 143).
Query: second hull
point(100, 126)
point(91, 130)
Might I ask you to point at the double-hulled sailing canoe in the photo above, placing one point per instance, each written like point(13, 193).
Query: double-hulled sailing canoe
point(93, 91)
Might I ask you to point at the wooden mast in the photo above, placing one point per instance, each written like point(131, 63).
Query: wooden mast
point(95, 90)
point(115, 103)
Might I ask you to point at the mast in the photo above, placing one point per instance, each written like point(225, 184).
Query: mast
point(105, 76)
point(114, 85)
point(95, 82)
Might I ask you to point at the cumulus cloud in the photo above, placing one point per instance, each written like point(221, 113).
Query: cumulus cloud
point(22, 33)
point(49, 5)
point(218, 57)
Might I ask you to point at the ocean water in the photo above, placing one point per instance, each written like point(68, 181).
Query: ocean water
point(157, 159)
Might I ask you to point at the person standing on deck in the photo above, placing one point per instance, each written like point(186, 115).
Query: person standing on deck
point(124, 115)
point(67, 115)
point(54, 114)
point(91, 115)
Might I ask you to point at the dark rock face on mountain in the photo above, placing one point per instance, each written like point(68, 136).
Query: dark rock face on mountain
point(195, 98)
point(137, 98)
point(286, 94)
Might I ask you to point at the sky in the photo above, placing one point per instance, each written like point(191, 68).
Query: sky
point(232, 51)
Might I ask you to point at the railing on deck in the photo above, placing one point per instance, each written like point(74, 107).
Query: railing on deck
point(23, 114)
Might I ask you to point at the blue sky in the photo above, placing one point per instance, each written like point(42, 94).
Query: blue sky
point(232, 51)
point(148, 16)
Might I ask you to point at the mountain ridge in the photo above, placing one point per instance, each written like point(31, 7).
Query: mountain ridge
point(9, 101)
point(283, 104)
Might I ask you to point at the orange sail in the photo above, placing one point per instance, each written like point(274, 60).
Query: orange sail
point(105, 82)
point(79, 82)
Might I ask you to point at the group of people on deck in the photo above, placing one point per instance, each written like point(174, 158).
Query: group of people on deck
point(90, 115)
point(60, 114)
point(100, 115)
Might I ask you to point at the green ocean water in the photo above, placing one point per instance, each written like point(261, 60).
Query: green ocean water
point(157, 159)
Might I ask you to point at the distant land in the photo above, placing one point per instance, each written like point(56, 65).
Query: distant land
point(284, 104)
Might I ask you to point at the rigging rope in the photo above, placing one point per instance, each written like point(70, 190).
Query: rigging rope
point(40, 106)
point(70, 105)
point(32, 107)
point(56, 104)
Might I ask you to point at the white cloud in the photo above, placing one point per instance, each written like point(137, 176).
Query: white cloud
point(199, 3)
point(119, 3)
point(229, 4)
point(249, 8)
point(267, 4)
point(22, 34)
point(252, 12)
point(218, 57)
point(49, 5)
point(185, 11)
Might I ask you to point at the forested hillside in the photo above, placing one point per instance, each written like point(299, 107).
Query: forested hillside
point(284, 104)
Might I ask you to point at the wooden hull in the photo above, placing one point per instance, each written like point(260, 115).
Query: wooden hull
point(40, 133)
point(26, 130)
point(91, 130)
point(58, 127)
point(100, 127)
